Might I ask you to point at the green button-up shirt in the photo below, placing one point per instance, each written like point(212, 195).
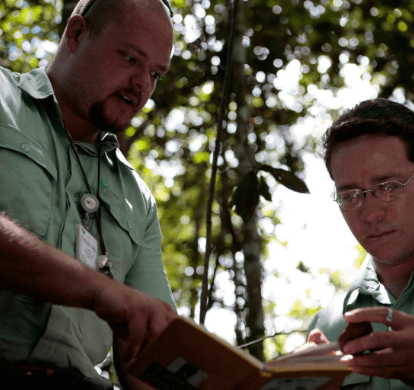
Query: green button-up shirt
point(365, 291)
point(40, 187)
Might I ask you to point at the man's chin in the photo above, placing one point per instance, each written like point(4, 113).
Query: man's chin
point(106, 124)
point(115, 128)
point(389, 257)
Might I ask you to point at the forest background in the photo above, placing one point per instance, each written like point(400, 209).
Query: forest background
point(294, 64)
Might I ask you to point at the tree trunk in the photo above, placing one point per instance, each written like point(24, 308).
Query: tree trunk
point(252, 243)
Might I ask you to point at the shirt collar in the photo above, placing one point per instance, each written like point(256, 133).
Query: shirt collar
point(36, 84)
point(367, 283)
point(109, 142)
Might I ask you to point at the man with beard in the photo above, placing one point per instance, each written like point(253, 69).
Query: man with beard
point(369, 153)
point(79, 232)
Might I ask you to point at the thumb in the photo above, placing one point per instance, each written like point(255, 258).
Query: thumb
point(316, 336)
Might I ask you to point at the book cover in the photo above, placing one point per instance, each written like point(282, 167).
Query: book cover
point(188, 357)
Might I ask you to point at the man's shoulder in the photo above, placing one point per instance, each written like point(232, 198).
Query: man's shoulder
point(35, 83)
point(19, 115)
point(10, 99)
point(9, 77)
point(330, 319)
point(9, 82)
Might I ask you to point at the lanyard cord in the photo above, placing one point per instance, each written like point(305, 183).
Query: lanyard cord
point(85, 179)
point(98, 214)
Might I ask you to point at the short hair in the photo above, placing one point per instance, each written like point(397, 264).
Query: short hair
point(381, 117)
point(99, 13)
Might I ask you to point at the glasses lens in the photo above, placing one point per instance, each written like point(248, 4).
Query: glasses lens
point(388, 191)
point(349, 199)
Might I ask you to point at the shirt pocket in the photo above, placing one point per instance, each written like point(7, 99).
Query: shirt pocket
point(122, 230)
point(27, 179)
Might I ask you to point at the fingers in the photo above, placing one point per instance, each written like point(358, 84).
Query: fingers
point(373, 341)
point(379, 314)
point(141, 332)
point(146, 323)
point(316, 336)
point(156, 326)
point(135, 317)
point(392, 353)
point(354, 331)
point(401, 323)
point(385, 364)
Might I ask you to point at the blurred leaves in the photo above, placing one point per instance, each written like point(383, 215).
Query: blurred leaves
point(27, 30)
point(288, 179)
point(247, 193)
point(264, 189)
point(246, 196)
point(362, 254)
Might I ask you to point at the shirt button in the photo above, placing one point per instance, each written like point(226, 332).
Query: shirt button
point(25, 148)
point(129, 224)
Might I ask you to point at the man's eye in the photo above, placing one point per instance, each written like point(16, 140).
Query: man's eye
point(388, 187)
point(349, 196)
point(156, 75)
point(130, 59)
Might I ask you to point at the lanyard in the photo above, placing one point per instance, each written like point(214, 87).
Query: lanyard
point(103, 259)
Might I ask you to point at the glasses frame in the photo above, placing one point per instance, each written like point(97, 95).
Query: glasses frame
point(360, 192)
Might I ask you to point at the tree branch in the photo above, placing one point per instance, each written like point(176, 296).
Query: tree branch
point(204, 291)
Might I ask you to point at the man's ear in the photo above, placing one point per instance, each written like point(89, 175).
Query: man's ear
point(75, 32)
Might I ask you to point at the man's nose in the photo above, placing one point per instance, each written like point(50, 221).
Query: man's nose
point(373, 208)
point(141, 80)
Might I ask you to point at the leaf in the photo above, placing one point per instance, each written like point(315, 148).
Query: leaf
point(264, 189)
point(246, 196)
point(302, 267)
point(288, 179)
point(201, 157)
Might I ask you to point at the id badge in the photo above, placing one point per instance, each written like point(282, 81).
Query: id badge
point(86, 247)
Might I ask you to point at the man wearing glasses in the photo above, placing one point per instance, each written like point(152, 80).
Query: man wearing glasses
point(80, 241)
point(369, 153)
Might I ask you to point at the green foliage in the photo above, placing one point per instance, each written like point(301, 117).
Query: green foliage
point(26, 32)
point(336, 278)
point(246, 196)
point(288, 179)
point(264, 189)
point(362, 254)
point(302, 267)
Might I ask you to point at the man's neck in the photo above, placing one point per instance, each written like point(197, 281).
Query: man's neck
point(80, 129)
point(394, 277)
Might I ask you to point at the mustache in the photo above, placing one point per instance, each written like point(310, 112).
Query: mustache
point(136, 97)
point(378, 229)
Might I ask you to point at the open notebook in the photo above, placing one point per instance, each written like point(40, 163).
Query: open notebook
point(188, 357)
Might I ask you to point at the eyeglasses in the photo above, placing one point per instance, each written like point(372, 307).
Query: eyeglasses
point(386, 192)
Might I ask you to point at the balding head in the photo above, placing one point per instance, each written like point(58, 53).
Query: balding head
point(100, 13)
